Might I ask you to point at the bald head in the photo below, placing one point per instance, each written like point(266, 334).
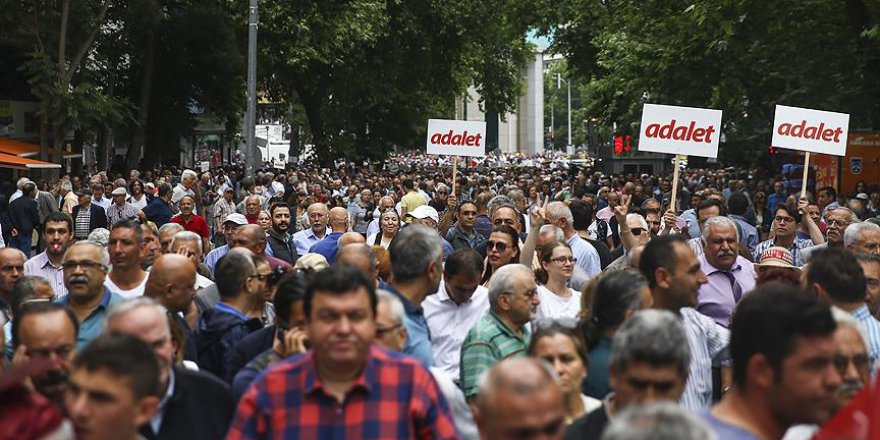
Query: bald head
point(252, 237)
point(338, 219)
point(350, 238)
point(360, 256)
point(509, 394)
point(318, 217)
point(172, 282)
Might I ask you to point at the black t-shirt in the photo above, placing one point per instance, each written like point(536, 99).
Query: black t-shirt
point(588, 427)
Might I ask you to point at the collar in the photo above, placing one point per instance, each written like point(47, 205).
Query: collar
point(709, 269)
point(862, 312)
point(363, 380)
point(504, 328)
point(408, 306)
point(105, 300)
point(224, 307)
point(43, 261)
point(169, 391)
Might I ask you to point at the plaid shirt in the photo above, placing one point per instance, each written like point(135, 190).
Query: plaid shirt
point(486, 344)
point(393, 397)
point(796, 246)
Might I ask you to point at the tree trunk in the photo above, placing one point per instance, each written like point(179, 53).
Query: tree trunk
point(136, 150)
point(312, 106)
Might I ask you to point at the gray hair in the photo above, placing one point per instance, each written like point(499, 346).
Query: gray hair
point(395, 305)
point(557, 233)
point(122, 307)
point(100, 236)
point(516, 194)
point(500, 202)
point(843, 318)
point(655, 337)
point(504, 281)
point(186, 236)
point(721, 222)
point(187, 174)
point(66, 185)
point(412, 249)
point(105, 256)
point(642, 222)
point(658, 421)
point(853, 218)
point(560, 210)
point(167, 227)
point(853, 233)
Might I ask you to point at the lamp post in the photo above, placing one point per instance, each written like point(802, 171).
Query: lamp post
point(568, 83)
point(251, 118)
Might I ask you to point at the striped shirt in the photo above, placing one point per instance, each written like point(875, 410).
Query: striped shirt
point(83, 220)
point(40, 266)
point(115, 213)
point(708, 343)
point(795, 248)
point(871, 329)
point(487, 343)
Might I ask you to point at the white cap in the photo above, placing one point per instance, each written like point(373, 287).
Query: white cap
point(425, 211)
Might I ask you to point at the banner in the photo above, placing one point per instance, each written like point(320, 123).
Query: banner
point(815, 131)
point(680, 130)
point(456, 138)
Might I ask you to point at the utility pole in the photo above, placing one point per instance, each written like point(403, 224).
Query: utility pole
point(252, 155)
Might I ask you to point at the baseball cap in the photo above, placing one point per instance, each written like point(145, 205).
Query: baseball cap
point(236, 218)
point(425, 211)
point(776, 256)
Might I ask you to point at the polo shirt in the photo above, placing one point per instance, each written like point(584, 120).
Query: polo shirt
point(487, 343)
point(449, 324)
point(418, 341)
point(196, 223)
point(91, 327)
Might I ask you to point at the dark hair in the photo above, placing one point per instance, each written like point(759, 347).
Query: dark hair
point(291, 288)
point(839, 273)
point(768, 320)
point(708, 203)
point(553, 328)
point(790, 210)
point(830, 190)
point(514, 238)
point(123, 356)
point(659, 252)
point(581, 213)
point(23, 291)
point(231, 272)
point(615, 293)
point(164, 189)
point(408, 184)
point(463, 261)
point(40, 308)
point(778, 275)
point(58, 217)
point(336, 280)
point(466, 202)
point(541, 275)
point(127, 223)
point(132, 183)
point(738, 204)
point(276, 206)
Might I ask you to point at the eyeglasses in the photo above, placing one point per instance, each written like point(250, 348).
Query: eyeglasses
point(836, 222)
point(563, 260)
point(383, 330)
point(499, 245)
point(860, 361)
point(529, 294)
point(262, 276)
point(87, 265)
point(781, 219)
point(637, 231)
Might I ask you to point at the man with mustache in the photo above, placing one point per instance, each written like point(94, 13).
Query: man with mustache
point(46, 330)
point(838, 221)
point(85, 268)
point(279, 239)
point(729, 276)
point(57, 235)
point(338, 221)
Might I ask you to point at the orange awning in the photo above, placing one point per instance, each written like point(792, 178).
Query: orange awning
point(18, 148)
point(23, 163)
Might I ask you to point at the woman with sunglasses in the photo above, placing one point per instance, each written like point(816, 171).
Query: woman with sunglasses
point(502, 248)
point(389, 224)
point(558, 343)
point(557, 299)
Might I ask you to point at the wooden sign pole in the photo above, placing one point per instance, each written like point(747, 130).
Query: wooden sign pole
point(674, 186)
point(806, 174)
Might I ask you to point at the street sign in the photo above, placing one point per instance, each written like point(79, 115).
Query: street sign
point(680, 130)
point(810, 130)
point(456, 138)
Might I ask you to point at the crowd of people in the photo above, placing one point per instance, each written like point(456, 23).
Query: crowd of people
point(522, 298)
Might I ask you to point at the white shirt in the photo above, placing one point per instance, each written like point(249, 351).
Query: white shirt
point(553, 306)
point(449, 323)
point(132, 293)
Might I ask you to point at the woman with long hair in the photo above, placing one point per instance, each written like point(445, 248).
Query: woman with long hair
point(615, 297)
point(389, 224)
point(557, 299)
point(561, 346)
point(136, 196)
point(502, 248)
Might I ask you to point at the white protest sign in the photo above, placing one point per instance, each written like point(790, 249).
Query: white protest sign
point(456, 138)
point(815, 131)
point(680, 130)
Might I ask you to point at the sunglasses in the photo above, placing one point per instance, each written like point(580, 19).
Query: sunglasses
point(499, 245)
point(637, 231)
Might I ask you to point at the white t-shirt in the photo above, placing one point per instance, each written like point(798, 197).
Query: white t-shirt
point(553, 306)
point(133, 293)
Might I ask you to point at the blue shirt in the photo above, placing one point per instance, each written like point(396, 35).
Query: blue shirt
point(725, 430)
point(328, 246)
point(748, 233)
point(304, 240)
point(418, 341)
point(587, 257)
point(91, 327)
point(214, 256)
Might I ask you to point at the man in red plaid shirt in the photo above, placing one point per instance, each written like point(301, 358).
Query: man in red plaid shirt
point(345, 387)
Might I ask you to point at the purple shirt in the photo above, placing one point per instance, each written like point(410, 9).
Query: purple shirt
point(718, 297)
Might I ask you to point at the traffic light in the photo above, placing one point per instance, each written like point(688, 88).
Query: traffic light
point(618, 144)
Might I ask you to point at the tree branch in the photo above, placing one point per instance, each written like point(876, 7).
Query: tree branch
point(84, 48)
